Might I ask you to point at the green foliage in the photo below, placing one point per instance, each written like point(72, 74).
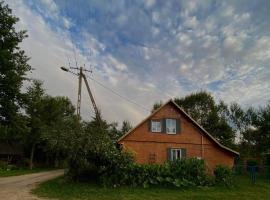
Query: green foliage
point(262, 131)
point(202, 107)
point(181, 173)
point(114, 133)
point(126, 126)
point(3, 165)
point(252, 163)
point(35, 94)
point(223, 175)
point(13, 68)
point(50, 120)
point(156, 106)
point(255, 136)
point(59, 125)
point(225, 121)
point(65, 190)
point(92, 152)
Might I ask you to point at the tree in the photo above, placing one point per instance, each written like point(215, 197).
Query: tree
point(60, 121)
point(261, 129)
point(202, 107)
point(237, 117)
point(199, 106)
point(13, 68)
point(35, 95)
point(156, 106)
point(115, 133)
point(92, 152)
point(126, 126)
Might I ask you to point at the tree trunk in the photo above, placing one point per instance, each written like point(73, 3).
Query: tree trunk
point(32, 156)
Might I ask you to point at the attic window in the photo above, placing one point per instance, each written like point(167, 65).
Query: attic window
point(156, 126)
point(171, 126)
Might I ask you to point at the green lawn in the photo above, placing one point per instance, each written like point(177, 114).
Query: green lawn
point(17, 172)
point(60, 189)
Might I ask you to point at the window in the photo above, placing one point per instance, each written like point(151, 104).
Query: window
point(175, 154)
point(171, 126)
point(156, 126)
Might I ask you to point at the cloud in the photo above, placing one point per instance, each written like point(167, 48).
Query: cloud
point(51, 49)
point(51, 6)
point(149, 3)
point(150, 50)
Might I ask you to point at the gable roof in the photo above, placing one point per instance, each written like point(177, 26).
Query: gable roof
point(186, 115)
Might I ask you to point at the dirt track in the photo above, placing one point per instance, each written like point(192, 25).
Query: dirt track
point(19, 187)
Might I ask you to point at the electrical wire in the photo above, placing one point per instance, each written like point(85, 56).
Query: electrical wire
point(102, 85)
point(119, 95)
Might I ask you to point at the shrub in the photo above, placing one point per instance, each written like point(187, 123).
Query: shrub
point(23, 163)
point(223, 175)
point(92, 154)
point(252, 164)
point(11, 167)
point(181, 173)
point(7, 167)
point(3, 165)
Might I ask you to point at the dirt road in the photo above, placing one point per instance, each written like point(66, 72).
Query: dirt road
point(19, 187)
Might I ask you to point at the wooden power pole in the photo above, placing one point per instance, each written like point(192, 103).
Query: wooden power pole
point(81, 76)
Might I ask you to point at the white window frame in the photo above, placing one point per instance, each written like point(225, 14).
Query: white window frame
point(157, 129)
point(176, 154)
point(168, 128)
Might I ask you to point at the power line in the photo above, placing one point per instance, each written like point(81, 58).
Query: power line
point(109, 89)
point(119, 95)
point(74, 52)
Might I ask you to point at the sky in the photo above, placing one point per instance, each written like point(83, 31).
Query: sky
point(149, 50)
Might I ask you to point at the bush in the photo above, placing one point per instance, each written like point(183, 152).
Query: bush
point(3, 165)
point(252, 164)
point(92, 153)
point(181, 173)
point(7, 167)
point(223, 175)
point(23, 163)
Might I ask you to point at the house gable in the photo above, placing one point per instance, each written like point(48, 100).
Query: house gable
point(191, 132)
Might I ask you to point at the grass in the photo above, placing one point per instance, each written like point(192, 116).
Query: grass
point(17, 172)
point(243, 190)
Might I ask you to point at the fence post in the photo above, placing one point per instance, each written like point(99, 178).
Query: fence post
point(253, 174)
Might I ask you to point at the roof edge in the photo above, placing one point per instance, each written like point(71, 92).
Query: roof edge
point(145, 119)
point(206, 132)
point(193, 121)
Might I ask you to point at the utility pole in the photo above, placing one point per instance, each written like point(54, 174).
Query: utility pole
point(79, 94)
point(81, 76)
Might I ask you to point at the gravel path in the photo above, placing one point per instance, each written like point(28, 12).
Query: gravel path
point(19, 187)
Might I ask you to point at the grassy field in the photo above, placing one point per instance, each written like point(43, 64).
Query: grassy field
point(17, 172)
point(243, 189)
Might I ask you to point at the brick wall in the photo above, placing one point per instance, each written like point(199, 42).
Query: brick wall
point(145, 144)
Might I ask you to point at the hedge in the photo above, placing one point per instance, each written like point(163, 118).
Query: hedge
point(180, 173)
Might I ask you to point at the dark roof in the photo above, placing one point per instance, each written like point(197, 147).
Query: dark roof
point(190, 118)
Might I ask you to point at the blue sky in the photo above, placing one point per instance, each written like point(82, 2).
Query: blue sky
point(150, 50)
